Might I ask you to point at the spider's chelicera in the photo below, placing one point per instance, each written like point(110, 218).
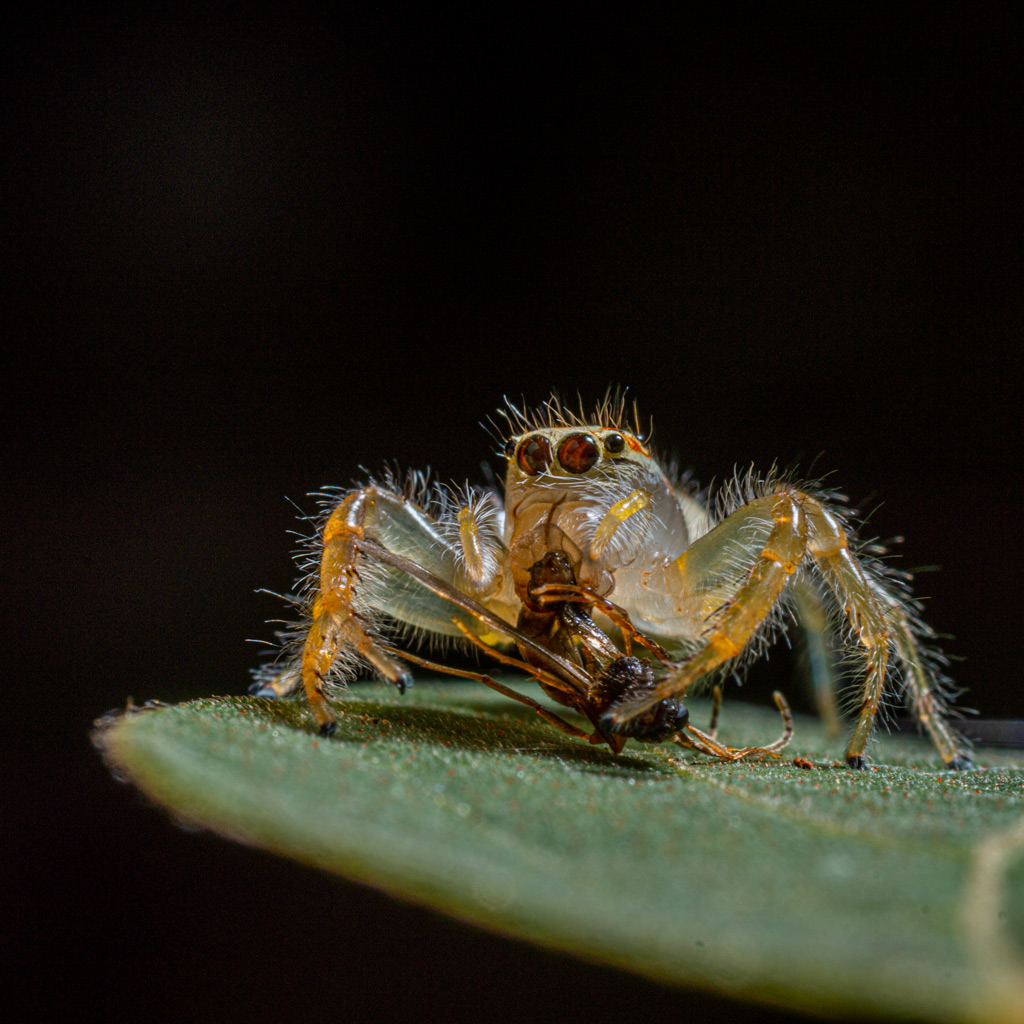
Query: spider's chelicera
point(594, 553)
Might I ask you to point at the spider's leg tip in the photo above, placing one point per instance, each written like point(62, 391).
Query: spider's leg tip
point(327, 729)
point(856, 761)
point(960, 763)
point(403, 682)
point(262, 690)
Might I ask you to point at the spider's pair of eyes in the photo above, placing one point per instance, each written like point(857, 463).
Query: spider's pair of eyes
point(576, 454)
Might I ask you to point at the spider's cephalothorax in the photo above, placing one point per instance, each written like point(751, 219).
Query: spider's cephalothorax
point(595, 540)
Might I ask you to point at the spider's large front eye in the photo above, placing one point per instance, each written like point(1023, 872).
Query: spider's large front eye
point(534, 454)
point(578, 453)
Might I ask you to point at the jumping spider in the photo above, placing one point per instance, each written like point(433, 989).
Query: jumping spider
point(594, 541)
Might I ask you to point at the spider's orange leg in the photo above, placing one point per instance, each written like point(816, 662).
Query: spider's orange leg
point(927, 704)
point(876, 614)
point(818, 653)
point(735, 622)
point(356, 588)
point(336, 624)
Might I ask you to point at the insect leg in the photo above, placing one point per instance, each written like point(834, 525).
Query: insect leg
point(554, 593)
point(540, 674)
point(481, 677)
point(706, 743)
point(556, 688)
point(574, 679)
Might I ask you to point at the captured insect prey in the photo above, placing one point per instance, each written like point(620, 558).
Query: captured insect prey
point(618, 588)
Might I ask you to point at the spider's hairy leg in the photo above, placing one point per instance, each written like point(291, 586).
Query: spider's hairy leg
point(336, 624)
point(813, 617)
point(351, 591)
point(925, 701)
point(739, 568)
point(354, 588)
point(271, 683)
point(876, 614)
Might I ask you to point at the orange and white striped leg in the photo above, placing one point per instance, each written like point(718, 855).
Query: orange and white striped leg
point(735, 622)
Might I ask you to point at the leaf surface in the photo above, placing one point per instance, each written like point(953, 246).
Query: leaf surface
point(895, 892)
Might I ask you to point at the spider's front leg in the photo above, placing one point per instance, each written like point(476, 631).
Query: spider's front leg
point(733, 596)
point(735, 574)
point(353, 590)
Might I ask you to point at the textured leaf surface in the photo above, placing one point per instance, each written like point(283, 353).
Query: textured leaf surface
point(896, 892)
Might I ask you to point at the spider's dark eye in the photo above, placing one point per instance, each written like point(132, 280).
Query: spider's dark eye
point(614, 443)
point(578, 453)
point(534, 455)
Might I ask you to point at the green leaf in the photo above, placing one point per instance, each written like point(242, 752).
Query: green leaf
point(896, 891)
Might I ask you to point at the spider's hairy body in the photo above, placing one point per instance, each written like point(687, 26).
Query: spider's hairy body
point(594, 539)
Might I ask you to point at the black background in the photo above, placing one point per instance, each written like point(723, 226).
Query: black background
point(250, 253)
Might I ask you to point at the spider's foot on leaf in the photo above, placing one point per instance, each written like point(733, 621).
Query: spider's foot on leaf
point(260, 689)
point(856, 762)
